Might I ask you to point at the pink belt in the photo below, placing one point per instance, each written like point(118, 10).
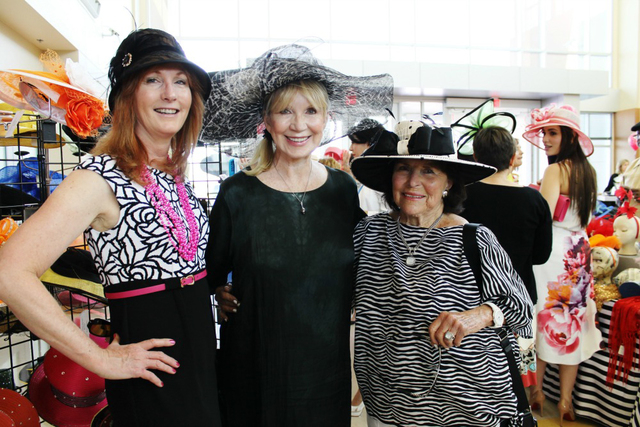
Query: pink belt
point(173, 283)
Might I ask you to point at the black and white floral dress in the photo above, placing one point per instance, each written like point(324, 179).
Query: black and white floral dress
point(138, 250)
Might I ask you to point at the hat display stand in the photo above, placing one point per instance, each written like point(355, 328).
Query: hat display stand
point(35, 156)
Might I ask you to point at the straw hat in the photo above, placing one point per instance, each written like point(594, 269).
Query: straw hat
point(75, 270)
point(65, 93)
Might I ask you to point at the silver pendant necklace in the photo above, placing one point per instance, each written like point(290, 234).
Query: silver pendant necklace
point(299, 199)
point(411, 260)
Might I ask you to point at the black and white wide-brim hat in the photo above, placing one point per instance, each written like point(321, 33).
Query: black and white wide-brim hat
point(412, 140)
point(235, 108)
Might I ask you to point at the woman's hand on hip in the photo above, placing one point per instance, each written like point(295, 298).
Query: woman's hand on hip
point(457, 325)
point(137, 360)
point(227, 303)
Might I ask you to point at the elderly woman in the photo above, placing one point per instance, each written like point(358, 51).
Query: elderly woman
point(425, 350)
point(284, 229)
point(147, 233)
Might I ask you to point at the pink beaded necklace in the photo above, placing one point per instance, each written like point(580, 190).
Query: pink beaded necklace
point(168, 217)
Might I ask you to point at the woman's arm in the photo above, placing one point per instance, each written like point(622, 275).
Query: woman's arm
point(550, 186)
point(543, 236)
point(219, 256)
point(501, 285)
point(82, 199)
point(460, 324)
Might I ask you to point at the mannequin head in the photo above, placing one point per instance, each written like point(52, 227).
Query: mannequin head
point(604, 261)
point(627, 231)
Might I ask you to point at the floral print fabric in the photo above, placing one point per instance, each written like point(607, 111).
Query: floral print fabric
point(566, 331)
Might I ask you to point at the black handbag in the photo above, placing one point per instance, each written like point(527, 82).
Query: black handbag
point(472, 252)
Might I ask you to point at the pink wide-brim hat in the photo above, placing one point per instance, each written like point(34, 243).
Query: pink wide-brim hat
point(556, 116)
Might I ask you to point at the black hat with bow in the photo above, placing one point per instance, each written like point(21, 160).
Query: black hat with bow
point(412, 140)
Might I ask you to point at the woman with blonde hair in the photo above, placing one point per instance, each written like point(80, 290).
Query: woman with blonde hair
point(616, 177)
point(283, 227)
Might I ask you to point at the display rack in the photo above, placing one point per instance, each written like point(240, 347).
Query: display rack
point(33, 161)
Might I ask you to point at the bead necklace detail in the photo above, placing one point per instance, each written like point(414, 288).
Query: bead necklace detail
point(411, 260)
point(171, 222)
point(300, 200)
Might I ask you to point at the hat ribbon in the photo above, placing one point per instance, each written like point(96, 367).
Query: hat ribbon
point(421, 142)
point(78, 402)
point(561, 121)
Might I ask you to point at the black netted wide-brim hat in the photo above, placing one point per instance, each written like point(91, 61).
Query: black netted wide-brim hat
point(234, 109)
point(147, 48)
point(413, 140)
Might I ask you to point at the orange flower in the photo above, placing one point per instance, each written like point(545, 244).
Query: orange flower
point(84, 113)
point(7, 227)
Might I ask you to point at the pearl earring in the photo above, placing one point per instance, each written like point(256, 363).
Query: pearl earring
point(444, 194)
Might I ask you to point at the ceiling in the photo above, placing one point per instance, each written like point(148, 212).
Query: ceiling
point(29, 24)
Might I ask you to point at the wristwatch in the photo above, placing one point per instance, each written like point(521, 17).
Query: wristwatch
point(498, 317)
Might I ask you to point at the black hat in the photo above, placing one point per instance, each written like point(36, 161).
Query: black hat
point(364, 131)
point(629, 289)
point(412, 140)
point(146, 48)
point(234, 110)
point(636, 127)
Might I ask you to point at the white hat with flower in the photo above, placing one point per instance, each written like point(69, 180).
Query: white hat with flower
point(552, 115)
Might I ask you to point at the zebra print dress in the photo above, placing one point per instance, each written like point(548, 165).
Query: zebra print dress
point(403, 378)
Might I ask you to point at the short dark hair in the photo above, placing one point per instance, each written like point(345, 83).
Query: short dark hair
point(494, 146)
point(456, 196)
point(366, 135)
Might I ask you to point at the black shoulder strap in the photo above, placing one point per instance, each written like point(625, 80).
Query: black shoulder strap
point(472, 252)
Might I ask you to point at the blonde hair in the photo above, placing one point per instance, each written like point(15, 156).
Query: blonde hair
point(123, 145)
point(621, 163)
point(315, 92)
point(331, 162)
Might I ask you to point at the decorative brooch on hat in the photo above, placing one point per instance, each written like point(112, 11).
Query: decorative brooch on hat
point(480, 117)
point(66, 93)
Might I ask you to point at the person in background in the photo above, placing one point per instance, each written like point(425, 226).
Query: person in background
point(616, 177)
point(566, 330)
point(284, 227)
point(360, 135)
point(426, 354)
point(147, 233)
point(517, 162)
point(371, 201)
point(518, 216)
